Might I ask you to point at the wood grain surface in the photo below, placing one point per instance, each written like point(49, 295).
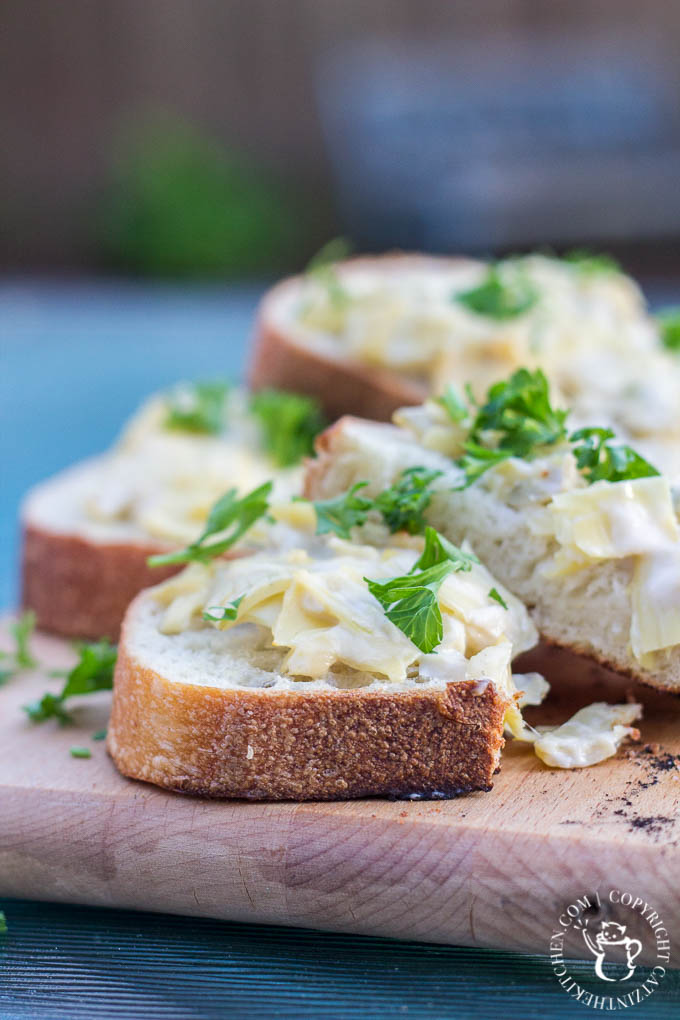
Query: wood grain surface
point(491, 869)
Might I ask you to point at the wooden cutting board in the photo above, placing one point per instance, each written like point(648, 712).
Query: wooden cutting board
point(492, 869)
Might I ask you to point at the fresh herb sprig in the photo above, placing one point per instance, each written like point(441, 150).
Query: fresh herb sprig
point(216, 614)
point(229, 514)
point(21, 658)
point(410, 601)
point(439, 550)
point(497, 597)
point(321, 268)
point(518, 420)
point(591, 263)
point(93, 672)
point(603, 461)
point(197, 407)
point(344, 512)
point(403, 504)
point(452, 403)
point(500, 295)
point(668, 321)
point(289, 424)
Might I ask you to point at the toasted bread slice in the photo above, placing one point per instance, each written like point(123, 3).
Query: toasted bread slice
point(588, 609)
point(289, 355)
point(377, 333)
point(284, 705)
point(88, 531)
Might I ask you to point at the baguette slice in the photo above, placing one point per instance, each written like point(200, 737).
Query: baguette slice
point(377, 333)
point(588, 610)
point(89, 530)
point(208, 712)
point(288, 356)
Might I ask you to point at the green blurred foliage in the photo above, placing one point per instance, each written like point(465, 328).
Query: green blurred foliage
point(182, 205)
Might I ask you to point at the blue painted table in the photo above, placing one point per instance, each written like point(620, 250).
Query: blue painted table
point(75, 360)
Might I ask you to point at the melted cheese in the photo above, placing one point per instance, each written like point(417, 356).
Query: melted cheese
point(591, 735)
point(590, 332)
point(164, 481)
point(315, 604)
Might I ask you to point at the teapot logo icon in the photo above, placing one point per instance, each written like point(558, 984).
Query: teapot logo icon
point(610, 935)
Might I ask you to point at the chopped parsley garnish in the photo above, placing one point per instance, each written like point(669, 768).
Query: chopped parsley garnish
point(3, 923)
point(500, 295)
point(289, 422)
point(343, 513)
point(402, 505)
point(497, 597)
point(439, 550)
point(197, 407)
point(590, 263)
point(452, 404)
point(215, 614)
point(321, 267)
point(519, 410)
point(410, 601)
point(81, 752)
point(99, 735)
point(668, 320)
point(22, 657)
point(478, 459)
point(602, 461)
point(93, 672)
point(228, 514)
point(518, 418)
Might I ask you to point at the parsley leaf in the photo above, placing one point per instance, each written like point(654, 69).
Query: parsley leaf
point(439, 550)
point(229, 512)
point(519, 416)
point(500, 296)
point(601, 461)
point(321, 267)
point(99, 735)
point(410, 602)
point(478, 459)
point(81, 752)
point(289, 422)
point(3, 923)
point(591, 264)
point(93, 672)
point(197, 407)
point(520, 410)
point(404, 503)
point(343, 513)
point(214, 614)
point(452, 404)
point(496, 595)
point(668, 320)
point(22, 658)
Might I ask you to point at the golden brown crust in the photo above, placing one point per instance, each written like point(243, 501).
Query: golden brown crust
point(335, 745)
point(81, 588)
point(317, 466)
point(343, 385)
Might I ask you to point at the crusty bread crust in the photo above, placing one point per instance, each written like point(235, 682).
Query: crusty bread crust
point(343, 385)
point(266, 745)
point(81, 588)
